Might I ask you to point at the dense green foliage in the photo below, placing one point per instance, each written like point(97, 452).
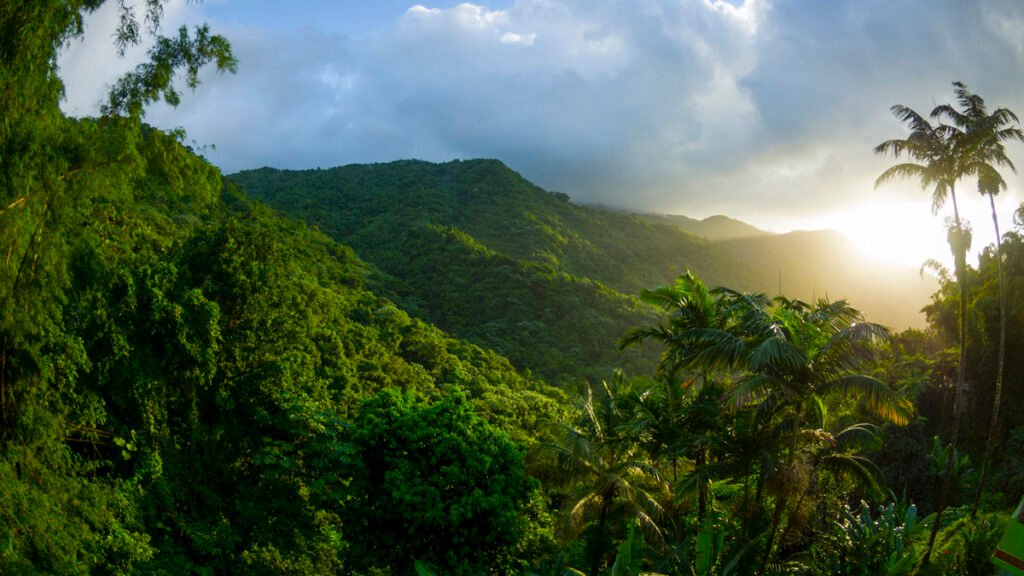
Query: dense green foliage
point(191, 383)
point(435, 484)
point(983, 338)
point(178, 362)
point(207, 348)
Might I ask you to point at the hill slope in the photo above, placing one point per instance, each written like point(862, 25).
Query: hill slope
point(825, 263)
point(476, 249)
point(818, 263)
point(179, 367)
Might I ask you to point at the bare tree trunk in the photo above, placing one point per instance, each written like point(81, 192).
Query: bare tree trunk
point(994, 422)
point(960, 256)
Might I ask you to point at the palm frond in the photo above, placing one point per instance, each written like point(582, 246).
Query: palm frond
point(777, 354)
point(845, 347)
point(665, 297)
point(584, 510)
point(753, 390)
point(710, 349)
point(862, 433)
point(1003, 116)
point(949, 115)
point(908, 170)
point(878, 398)
point(858, 467)
point(911, 118)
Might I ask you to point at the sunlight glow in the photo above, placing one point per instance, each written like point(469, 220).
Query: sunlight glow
point(905, 234)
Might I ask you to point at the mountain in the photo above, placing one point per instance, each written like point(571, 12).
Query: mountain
point(714, 228)
point(825, 263)
point(820, 263)
point(481, 252)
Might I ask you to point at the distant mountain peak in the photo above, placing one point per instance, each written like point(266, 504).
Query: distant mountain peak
point(718, 227)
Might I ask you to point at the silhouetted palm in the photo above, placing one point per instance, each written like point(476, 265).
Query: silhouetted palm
point(978, 137)
point(933, 161)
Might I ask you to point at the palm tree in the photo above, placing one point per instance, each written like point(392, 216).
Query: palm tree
point(784, 356)
point(792, 355)
point(605, 474)
point(978, 137)
point(935, 163)
point(932, 159)
point(692, 308)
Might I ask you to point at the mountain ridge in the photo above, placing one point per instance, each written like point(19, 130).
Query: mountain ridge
point(536, 272)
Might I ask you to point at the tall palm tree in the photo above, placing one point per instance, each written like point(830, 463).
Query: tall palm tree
point(932, 159)
point(978, 137)
point(692, 308)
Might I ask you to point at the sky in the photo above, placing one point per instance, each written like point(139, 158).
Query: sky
point(763, 110)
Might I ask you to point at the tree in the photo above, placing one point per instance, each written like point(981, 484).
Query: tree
point(64, 516)
point(936, 164)
point(607, 479)
point(42, 156)
point(978, 138)
point(692, 309)
point(433, 483)
point(783, 356)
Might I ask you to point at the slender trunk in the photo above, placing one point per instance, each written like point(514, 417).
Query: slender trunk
point(780, 503)
point(598, 559)
point(702, 494)
point(994, 422)
point(4, 424)
point(960, 258)
point(790, 523)
point(746, 503)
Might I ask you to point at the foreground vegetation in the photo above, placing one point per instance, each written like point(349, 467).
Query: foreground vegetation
point(191, 383)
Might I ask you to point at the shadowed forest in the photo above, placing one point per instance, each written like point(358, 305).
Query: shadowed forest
point(430, 369)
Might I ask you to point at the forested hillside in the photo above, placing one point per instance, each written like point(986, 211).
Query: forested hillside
point(198, 354)
point(520, 259)
point(182, 370)
point(478, 250)
point(193, 383)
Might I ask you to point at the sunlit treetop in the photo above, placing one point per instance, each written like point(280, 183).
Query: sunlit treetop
point(32, 33)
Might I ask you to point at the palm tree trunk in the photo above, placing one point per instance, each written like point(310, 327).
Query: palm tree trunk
point(960, 258)
point(993, 424)
point(702, 493)
point(780, 503)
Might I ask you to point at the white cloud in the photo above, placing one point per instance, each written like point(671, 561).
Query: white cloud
point(420, 11)
point(513, 38)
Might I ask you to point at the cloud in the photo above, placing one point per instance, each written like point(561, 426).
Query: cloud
point(758, 108)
